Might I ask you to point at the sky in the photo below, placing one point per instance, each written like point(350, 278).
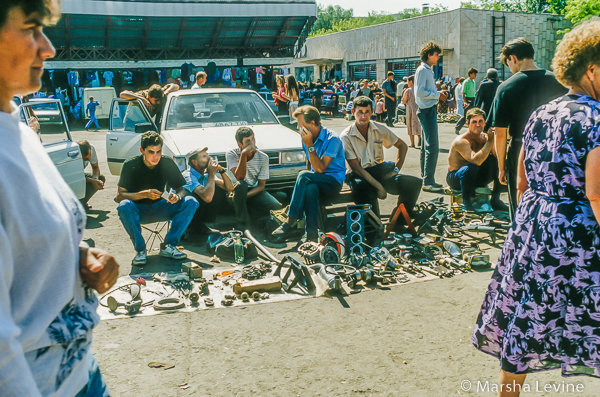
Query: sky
point(362, 7)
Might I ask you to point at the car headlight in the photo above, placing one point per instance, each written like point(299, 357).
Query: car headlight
point(181, 162)
point(295, 157)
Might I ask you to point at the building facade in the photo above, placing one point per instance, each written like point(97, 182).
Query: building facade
point(469, 38)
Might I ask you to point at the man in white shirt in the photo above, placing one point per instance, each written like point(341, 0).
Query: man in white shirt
point(94, 181)
point(370, 177)
point(47, 306)
point(251, 167)
point(200, 80)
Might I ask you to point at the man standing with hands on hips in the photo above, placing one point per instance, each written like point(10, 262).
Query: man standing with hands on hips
point(325, 174)
point(427, 96)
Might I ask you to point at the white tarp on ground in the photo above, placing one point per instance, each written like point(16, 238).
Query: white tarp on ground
point(217, 292)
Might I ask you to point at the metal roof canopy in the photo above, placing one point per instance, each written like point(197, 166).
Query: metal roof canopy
point(90, 36)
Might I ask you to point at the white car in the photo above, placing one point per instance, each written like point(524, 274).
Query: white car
point(207, 118)
point(46, 117)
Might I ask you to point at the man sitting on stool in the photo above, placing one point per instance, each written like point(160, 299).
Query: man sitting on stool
point(143, 180)
point(325, 160)
point(370, 177)
point(201, 183)
point(472, 162)
point(94, 181)
point(251, 168)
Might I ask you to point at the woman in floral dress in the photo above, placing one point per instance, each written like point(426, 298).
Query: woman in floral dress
point(542, 307)
point(412, 121)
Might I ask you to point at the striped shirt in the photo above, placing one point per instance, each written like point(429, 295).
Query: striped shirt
point(256, 169)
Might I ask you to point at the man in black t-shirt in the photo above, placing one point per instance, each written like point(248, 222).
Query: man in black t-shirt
point(151, 190)
point(515, 100)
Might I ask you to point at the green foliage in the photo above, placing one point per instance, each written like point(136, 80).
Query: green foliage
point(530, 6)
point(335, 19)
point(327, 16)
point(578, 11)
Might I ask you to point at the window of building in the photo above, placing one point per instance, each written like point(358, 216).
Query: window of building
point(362, 70)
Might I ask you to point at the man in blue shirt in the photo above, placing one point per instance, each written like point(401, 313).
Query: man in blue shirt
point(327, 164)
point(389, 91)
point(427, 96)
point(90, 110)
point(201, 182)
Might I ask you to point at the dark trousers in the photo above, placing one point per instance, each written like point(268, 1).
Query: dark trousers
point(470, 176)
point(207, 212)
point(90, 190)
point(511, 165)
point(310, 187)
point(391, 111)
point(431, 146)
point(406, 187)
point(463, 119)
point(261, 204)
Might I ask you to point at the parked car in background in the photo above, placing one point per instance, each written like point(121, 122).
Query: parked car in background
point(308, 94)
point(207, 118)
point(267, 95)
point(46, 111)
point(45, 116)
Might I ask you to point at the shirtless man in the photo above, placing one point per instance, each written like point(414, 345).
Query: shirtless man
point(470, 164)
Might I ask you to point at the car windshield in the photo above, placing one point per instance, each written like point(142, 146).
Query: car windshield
point(44, 105)
point(218, 110)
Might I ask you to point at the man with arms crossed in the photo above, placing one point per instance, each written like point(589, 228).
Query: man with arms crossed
point(47, 306)
point(472, 162)
point(144, 196)
point(251, 168)
point(370, 177)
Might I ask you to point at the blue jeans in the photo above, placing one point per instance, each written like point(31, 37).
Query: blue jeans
point(310, 186)
point(133, 215)
point(430, 147)
point(470, 176)
point(94, 120)
point(96, 386)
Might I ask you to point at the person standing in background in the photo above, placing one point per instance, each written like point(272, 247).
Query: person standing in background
point(90, 110)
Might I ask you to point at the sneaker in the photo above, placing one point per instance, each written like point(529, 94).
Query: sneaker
point(170, 251)
point(282, 231)
point(140, 258)
point(433, 188)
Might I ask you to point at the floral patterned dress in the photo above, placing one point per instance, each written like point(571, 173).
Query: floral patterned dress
point(542, 307)
point(412, 121)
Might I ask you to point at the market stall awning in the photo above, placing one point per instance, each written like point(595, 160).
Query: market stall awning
point(105, 30)
point(322, 61)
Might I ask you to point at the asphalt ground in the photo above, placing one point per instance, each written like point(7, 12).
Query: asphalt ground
point(407, 340)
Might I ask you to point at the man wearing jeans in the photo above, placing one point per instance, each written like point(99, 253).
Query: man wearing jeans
point(146, 195)
point(472, 162)
point(251, 168)
point(427, 96)
point(327, 165)
point(389, 90)
point(372, 178)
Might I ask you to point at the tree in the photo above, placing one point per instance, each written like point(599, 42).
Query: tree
point(326, 17)
point(578, 11)
point(529, 6)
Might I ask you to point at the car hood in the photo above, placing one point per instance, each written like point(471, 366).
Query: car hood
point(270, 137)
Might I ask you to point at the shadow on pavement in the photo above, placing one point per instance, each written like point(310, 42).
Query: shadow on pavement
point(95, 218)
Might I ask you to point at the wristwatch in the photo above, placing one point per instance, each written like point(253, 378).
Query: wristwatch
point(311, 149)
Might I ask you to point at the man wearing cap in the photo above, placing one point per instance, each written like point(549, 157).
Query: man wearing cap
point(201, 182)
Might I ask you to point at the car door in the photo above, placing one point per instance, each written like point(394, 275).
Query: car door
point(56, 138)
point(128, 121)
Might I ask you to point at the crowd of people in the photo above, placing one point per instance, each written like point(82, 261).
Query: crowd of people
point(538, 131)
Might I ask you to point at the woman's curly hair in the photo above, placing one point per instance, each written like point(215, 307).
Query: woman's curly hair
point(579, 49)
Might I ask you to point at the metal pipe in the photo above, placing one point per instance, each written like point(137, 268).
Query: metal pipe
point(261, 247)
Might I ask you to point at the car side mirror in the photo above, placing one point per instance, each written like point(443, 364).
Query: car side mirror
point(140, 128)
